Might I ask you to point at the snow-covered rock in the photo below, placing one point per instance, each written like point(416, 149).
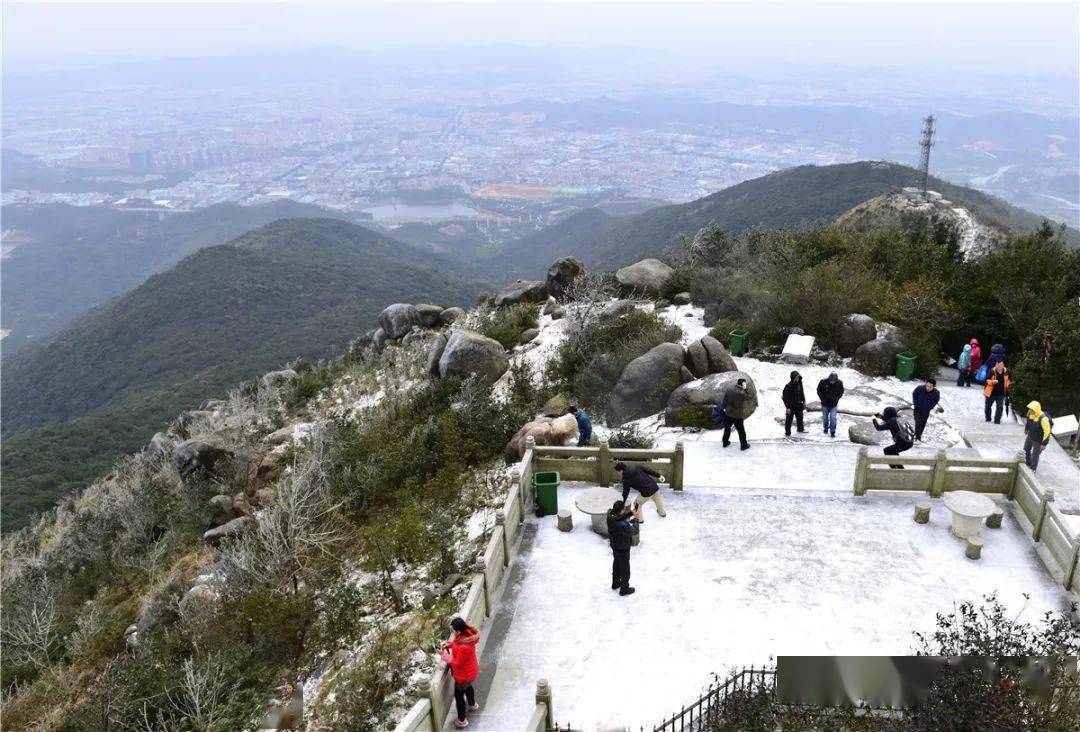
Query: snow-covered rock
point(645, 383)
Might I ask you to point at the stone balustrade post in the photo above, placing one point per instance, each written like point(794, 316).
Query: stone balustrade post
point(603, 464)
point(860, 472)
point(481, 569)
point(1047, 499)
point(941, 468)
point(543, 696)
point(677, 462)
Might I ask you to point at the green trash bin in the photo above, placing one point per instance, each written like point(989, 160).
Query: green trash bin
point(546, 490)
point(740, 342)
point(905, 365)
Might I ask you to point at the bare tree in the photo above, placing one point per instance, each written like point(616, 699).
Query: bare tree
point(297, 529)
point(28, 629)
point(200, 696)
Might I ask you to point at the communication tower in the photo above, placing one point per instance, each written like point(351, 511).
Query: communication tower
point(925, 144)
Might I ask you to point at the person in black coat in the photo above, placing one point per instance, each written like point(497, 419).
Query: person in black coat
point(641, 479)
point(891, 422)
point(829, 391)
point(734, 408)
point(622, 525)
point(794, 403)
point(924, 399)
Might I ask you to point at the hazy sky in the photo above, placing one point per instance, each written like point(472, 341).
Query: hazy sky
point(1023, 38)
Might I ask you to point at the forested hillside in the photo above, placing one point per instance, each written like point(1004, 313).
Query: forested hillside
point(295, 288)
point(63, 259)
point(806, 194)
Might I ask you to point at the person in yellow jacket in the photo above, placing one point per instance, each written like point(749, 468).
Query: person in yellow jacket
point(997, 386)
point(1037, 431)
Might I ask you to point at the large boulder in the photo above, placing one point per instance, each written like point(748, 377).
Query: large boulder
point(648, 276)
point(429, 315)
point(556, 406)
point(435, 352)
point(645, 383)
point(451, 315)
point(520, 292)
point(706, 393)
point(697, 359)
point(379, 339)
point(617, 308)
point(546, 431)
point(222, 508)
point(864, 433)
point(528, 335)
point(562, 274)
point(877, 357)
point(233, 528)
point(398, 319)
point(161, 446)
point(855, 330)
point(467, 353)
point(193, 455)
point(719, 358)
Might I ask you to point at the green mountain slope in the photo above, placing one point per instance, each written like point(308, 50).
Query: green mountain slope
point(63, 260)
point(297, 287)
point(801, 195)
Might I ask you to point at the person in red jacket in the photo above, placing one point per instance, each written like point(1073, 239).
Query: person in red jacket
point(975, 359)
point(464, 667)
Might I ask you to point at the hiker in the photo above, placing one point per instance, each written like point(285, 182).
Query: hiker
point(794, 403)
point(622, 525)
point(975, 359)
point(963, 365)
point(997, 353)
point(902, 433)
point(997, 386)
point(735, 403)
point(640, 479)
point(584, 426)
point(1037, 430)
point(460, 653)
point(829, 391)
point(924, 399)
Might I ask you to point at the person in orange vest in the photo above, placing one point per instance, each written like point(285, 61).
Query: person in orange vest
point(997, 387)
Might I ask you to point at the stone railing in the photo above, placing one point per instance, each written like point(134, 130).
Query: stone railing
point(1057, 544)
point(597, 464)
point(429, 713)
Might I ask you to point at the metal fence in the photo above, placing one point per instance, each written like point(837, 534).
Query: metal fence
point(707, 710)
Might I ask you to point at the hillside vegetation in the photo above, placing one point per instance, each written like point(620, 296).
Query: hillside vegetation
point(67, 259)
point(295, 288)
point(797, 196)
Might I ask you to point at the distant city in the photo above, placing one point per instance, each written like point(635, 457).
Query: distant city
point(500, 158)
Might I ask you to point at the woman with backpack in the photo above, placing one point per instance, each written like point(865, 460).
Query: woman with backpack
point(963, 365)
point(975, 359)
point(998, 383)
point(903, 433)
point(460, 654)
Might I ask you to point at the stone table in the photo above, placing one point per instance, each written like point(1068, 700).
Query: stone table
point(968, 511)
point(596, 502)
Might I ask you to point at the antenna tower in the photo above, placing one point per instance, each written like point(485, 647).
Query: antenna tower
point(925, 144)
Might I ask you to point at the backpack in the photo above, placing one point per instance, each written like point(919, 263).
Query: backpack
point(719, 415)
point(980, 375)
point(907, 432)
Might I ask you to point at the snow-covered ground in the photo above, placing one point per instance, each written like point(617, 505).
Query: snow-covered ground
point(733, 578)
point(767, 552)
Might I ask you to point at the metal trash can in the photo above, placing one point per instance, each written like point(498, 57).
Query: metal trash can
point(546, 490)
point(905, 365)
point(740, 342)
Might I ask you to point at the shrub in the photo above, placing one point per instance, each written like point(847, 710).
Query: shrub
point(699, 418)
point(630, 437)
point(1049, 372)
point(591, 359)
point(506, 324)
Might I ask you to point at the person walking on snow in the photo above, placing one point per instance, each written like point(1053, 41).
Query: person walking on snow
point(794, 403)
point(975, 359)
point(997, 387)
point(902, 433)
point(460, 653)
point(622, 525)
point(584, 426)
point(1037, 431)
point(829, 391)
point(963, 365)
point(640, 479)
point(997, 353)
point(734, 407)
point(924, 398)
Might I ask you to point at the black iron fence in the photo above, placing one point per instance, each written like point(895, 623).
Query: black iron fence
point(707, 710)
